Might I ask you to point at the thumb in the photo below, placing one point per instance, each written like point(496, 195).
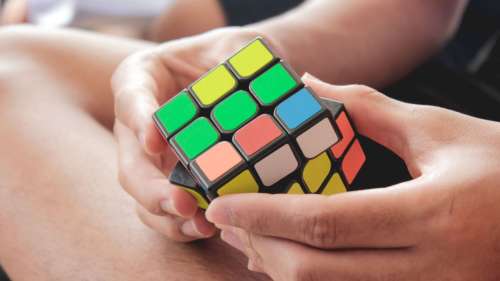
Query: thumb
point(376, 116)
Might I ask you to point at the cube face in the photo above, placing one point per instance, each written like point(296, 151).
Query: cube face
point(250, 125)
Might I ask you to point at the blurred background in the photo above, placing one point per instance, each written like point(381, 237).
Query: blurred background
point(469, 64)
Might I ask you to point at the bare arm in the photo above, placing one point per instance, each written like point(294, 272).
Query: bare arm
point(369, 42)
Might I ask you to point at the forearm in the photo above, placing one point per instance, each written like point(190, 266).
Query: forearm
point(369, 42)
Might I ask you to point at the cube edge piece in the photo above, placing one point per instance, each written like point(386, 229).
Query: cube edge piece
point(206, 74)
point(294, 75)
point(158, 123)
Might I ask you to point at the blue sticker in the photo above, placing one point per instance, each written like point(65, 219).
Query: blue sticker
point(298, 108)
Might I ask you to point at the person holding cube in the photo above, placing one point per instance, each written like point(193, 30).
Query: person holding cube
point(64, 215)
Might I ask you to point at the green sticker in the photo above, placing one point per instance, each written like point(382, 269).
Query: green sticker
point(196, 137)
point(177, 112)
point(235, 110)
point(273, 84)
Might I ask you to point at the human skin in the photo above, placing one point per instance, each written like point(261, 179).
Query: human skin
point(14, 12)
point(63, 214)
point(441, 225)
point(90, 104)
point(181, 18)
point(148, 78)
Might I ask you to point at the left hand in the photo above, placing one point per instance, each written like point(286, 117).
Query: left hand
point(442, 225)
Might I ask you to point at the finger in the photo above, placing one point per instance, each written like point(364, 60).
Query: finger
point(376, 116)
point(285, 260)
point(378, 218)
point(174, 228)
point(139, 84)
point(145, 182)
point(200, 226)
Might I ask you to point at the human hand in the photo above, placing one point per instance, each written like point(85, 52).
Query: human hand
point(141, 83)
point(442, 225)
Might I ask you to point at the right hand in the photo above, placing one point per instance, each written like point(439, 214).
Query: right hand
point(141, 83)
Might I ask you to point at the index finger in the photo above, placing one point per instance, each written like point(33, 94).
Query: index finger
point(139, 84)
point(378, 218)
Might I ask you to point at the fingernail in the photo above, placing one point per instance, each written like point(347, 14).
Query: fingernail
point(232, 239)
point(218, 214)
point(309, 76)
point(168, 207)
point(189, 229)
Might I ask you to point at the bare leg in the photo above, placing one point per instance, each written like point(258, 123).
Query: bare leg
point(63, 215)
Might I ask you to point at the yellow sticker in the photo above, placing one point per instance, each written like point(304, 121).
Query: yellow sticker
point(242, 183)
point(214, 86)
point(316, 171)
point(295, 189)
point(335, 185)
point(202, 202)
point(251, 59)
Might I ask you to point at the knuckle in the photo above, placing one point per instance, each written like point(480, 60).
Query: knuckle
point(128, 69)
point(251, 250)
point(320, 229)
point(126, 100)
point(366, 93)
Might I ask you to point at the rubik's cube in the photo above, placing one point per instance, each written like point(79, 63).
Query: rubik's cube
point(250, 125)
